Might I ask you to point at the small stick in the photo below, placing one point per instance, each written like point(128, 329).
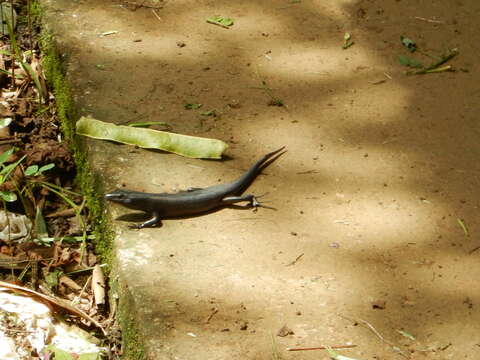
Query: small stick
point(370, 326)
point(307, 172)
point(158, 16)
point(211, 316)
point(429, 20)
point(217, 23)
point(295, 261)
point(395, 348)
point(323, 347)
point(10, 141)
point(474, 249)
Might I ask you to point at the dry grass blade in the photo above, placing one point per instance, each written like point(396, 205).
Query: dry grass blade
point(375, 331)
point(346, 346)
point(39, 78)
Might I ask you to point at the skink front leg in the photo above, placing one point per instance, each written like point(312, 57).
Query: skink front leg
point(155, 220)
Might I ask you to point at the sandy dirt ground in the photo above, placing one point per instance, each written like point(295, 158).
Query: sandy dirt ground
point(377, 220)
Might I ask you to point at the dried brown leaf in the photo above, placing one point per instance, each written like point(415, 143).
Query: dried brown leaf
point(68, 282)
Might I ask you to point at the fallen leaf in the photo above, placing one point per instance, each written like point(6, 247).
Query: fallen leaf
point(219, 20)
point(184, 145)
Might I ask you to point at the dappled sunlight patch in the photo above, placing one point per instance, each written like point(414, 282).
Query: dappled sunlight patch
point(307, 59)
point(388, 221)
point(138, 254)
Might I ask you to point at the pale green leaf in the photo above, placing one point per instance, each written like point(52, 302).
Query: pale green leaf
point(209, 113)
point(4, 156)
point(52, 278)
point(8, 169)
point(36, 80)
point(8, 196)
point(46, 167)
point(220, 20)
point(5, 122)
point(106, 33)
point(192, 106)
point(406, 334)
point(347, 41)
point(184, 145)
point(31, 170)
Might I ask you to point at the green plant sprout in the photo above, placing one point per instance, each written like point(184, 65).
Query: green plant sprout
point(32, 174)
point(34, 170)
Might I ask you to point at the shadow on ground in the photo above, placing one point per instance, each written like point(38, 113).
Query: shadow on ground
point(382, 168)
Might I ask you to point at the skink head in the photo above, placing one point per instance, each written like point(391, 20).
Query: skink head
point(119, 196)
point(131, 199)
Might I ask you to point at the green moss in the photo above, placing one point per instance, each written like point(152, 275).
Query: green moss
point(67, 114)
point(133, 348)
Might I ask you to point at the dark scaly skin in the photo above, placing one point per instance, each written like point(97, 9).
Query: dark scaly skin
point(195, 201)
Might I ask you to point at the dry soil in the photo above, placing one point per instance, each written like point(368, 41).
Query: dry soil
point(377, 199)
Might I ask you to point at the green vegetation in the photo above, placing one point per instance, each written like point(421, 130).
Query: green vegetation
point(67, 114)
point(133, 348)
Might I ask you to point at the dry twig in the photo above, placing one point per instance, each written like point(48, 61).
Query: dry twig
point(429, 20)
point(296, 259)
point(158, 16)
point(346, 346)
point(375, 331)
point(214, 311)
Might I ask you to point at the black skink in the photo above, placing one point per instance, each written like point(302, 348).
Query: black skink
point(194, 201)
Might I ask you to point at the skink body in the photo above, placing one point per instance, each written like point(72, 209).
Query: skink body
point(194, 201)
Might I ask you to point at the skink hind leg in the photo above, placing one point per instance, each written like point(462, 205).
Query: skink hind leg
point(252, 199)
point(154, 221)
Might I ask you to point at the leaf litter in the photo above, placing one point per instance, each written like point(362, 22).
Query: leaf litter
point(46, 254)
